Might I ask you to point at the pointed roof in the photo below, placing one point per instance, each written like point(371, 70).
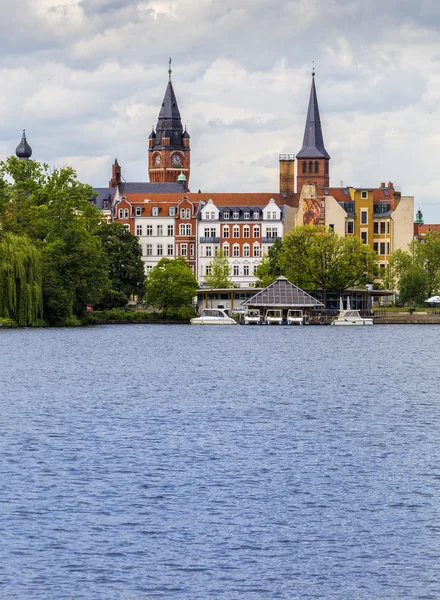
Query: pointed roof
point(282, 294)
point(313, 142)
point(23, 149)
point(169, 124)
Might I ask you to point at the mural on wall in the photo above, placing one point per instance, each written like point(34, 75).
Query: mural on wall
point(314, 211)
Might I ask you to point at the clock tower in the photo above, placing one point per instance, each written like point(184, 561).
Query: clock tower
point(169, 146)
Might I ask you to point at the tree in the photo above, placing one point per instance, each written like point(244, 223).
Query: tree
point(413, 286)
point(313, 257)
point(269, 269)
point(220, 271)
point(171, 286)
point(20, 280)
point(124, 255)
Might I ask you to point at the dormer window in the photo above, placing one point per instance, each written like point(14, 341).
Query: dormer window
point(364, 195)
point(155, 211)
point(247, 215)
point(172, 211)
point(256, 214)
point(226, 214)
point(236, 214)
point(139, 211)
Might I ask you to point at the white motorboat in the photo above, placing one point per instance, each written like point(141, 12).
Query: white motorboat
point(213, 316)
point(295, 317)
point(252, 317)
point(273, 317)
point(351, 317)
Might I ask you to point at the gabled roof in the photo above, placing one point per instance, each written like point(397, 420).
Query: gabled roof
point(281, 293)
point(313, 142)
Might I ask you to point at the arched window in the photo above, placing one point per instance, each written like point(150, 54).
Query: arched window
point(310, 166)
point(236, 231)
point(188, 213)
point(236, 250)
point(304, 166)
point(246, 231)
point(182, 213)
point(256, 250)
point(256, 231)
point(226, 249)
point(182, 229)
point(189, 229)
point(316, 166)
point(246, 250)
point(125, 213)
point(226, 231)
point(121, 213)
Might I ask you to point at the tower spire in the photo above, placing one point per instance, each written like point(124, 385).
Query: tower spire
point(169, 69)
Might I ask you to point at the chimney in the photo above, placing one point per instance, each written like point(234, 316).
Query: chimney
point(116, 175)
point(382, 185)
point(390, 184)
point(287, 175)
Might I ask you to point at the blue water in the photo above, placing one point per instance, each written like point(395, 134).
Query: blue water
point(178, 462)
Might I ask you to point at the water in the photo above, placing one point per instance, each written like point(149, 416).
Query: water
point(177, 462)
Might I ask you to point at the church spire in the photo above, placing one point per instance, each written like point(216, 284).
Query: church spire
point(313, 142)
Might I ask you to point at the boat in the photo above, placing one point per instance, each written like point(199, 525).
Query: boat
point(295, 317)
point(213, 316)
point(273, 317)
point(351, 317)
point(252, 317)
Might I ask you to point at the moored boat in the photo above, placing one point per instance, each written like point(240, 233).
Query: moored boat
point(273, 317)
point(351, 317)
point(213, 316)
point(252, 317)
point(295, 317)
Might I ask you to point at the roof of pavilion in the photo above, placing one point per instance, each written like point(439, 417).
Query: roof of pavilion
point(282, 293)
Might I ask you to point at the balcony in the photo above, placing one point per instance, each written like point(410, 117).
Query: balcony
point(209, 240)
point(269, 240)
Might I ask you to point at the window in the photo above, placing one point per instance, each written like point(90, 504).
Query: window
point(148, 249)
point(139, 211)
point(383, 208)
point(310, 166)
point(155, 211)
point(316, 166)
point(226, 214)
point(246, 231)
point(271, 232)
point(256, 250)
point(236, 250)
point(125, 213)
point(304, 166)
point(170, 250)
point(388, 247)
point(226, 250)
point(236, 271)
point(350, 227)
point(172, 211)
point(375, 227)
point(188, 214)
point(149, 230)
point(148, 269)
point(256, 231)
point(246, 250)
point(226, 231)
point(256, 214)
point(246, 270)
point(236, 231)
point(364, 195)
point(382, 248)
point(213, 232)
point(127, 226)
point(121, 213)
point(364, 237)
point(186, 229)
point(376, 247)
point(138, 229)
point(247, 214)
point(382, 227)
point(183, 249)
point(185, 213)
point(159, 250)
point(191, 249)
point(364, 217)
point(235, 214)
point(350, 206)
point(208, 270)
point(170, 230)
point(160, 230)
point(208, 251)
point(388, 227)
point(326, 167)
point(182, 213)
point(331, 227)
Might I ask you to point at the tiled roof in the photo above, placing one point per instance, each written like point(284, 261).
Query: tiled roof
point(150, 188)
point(426, 228)
point(104, 195)
point(282, 293)
point(241, 199)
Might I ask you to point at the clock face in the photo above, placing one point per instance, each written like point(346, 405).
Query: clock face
point(157, 159)
point(176, 159)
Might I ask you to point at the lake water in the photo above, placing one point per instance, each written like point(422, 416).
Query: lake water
point(178, 462)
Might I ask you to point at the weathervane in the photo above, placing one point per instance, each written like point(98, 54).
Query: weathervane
point(313, 68)
point(169, 69)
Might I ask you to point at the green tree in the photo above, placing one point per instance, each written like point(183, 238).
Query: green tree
point(313, 257)
point(220, 272)
point(20, 280)
point(171, 286)
point(124, 255)
point(413, 286)
point(269, 268)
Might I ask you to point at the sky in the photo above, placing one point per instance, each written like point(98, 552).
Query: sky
point(87, 78)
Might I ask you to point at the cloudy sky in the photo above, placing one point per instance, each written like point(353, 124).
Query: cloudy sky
point(87, 77)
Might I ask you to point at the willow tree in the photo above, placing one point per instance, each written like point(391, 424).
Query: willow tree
point(21, 296)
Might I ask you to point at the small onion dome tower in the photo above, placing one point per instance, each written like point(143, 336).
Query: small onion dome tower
point(181, 180)
point(23, 150)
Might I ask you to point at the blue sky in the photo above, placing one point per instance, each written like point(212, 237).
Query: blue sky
point(87, 79)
